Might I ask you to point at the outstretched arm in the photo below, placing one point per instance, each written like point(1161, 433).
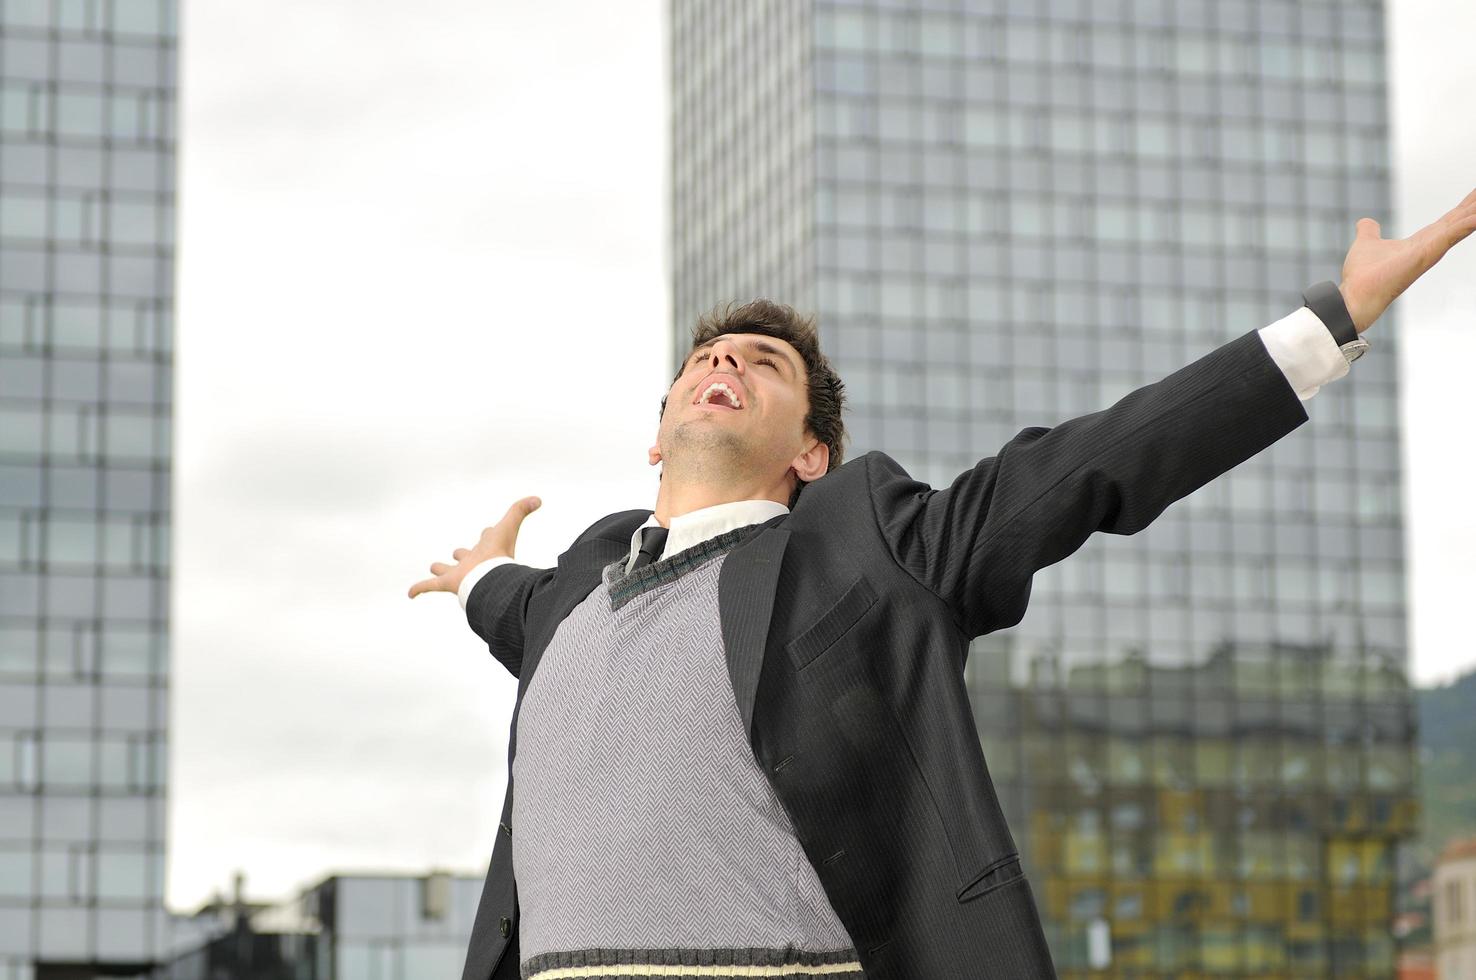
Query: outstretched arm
point(978, 542)
point(499, 611)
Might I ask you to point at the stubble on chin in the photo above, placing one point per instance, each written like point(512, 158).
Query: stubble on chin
point(699, 451)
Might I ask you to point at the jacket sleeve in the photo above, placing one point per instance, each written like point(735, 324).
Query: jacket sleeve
point(497, 609)
point(977, 543)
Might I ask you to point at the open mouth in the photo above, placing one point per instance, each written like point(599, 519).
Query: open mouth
point(721, 396)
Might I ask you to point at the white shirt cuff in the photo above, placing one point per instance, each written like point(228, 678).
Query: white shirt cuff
point(1304, 349)
point(475, 575)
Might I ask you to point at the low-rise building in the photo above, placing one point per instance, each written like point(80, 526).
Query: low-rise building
point(1455, 911)
point(346, 927)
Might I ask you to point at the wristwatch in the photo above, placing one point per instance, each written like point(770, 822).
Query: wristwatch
point(1326, 300)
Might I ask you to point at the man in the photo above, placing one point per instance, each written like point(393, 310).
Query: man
point(749, 751)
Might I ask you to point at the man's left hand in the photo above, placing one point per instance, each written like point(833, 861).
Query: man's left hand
point(1377, 269)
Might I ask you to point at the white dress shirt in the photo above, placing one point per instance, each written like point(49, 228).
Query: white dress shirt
point(1299, 343)
point(686, 530)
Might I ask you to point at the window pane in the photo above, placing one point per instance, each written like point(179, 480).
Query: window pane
point(127, 654)
point(27, 13)
point(134, 16)
point(112, 763)
point(129, 435)
point(66, 760)
point(16, 868)
point(122, 874)
point(17, 653)
point(428, 960)
point(22, 216)
point(79, 114)
point(132, 222)
point(75, 325)
point(20, 430)
point(71, 541)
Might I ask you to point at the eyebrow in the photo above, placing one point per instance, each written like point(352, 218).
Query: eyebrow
point(762, 346)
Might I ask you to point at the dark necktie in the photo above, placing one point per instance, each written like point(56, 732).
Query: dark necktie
point(653, 539)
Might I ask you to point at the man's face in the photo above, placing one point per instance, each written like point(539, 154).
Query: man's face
point(703, 433)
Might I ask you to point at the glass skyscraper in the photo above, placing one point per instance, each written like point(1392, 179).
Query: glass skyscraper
point(1009, 213)
point(87, 164)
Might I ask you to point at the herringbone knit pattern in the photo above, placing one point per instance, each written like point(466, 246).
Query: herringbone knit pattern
point(647, 841)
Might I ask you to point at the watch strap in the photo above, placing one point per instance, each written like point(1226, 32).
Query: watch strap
point(1326, 300)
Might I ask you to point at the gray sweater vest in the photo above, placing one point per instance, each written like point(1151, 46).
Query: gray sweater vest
point(647, 834)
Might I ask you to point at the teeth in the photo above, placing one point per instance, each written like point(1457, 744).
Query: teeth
point(717, 386)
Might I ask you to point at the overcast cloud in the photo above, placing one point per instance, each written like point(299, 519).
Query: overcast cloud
point(422, 273)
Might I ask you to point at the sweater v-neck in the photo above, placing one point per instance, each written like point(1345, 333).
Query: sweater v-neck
point(625, 586)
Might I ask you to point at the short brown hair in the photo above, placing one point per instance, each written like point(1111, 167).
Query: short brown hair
point(826, 391)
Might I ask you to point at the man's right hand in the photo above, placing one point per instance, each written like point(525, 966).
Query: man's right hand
point(497, 542)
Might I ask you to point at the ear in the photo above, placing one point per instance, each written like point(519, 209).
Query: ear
point(811, 464)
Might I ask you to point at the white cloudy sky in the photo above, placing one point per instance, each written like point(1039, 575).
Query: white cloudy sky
point(403, 228)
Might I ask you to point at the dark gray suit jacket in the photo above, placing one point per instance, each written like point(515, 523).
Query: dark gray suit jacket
point(846, 624)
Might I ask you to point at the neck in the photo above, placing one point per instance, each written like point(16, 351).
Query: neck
point(675, 498)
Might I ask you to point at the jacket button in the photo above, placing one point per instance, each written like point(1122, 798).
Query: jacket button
point(505, 828)
point(505, 925)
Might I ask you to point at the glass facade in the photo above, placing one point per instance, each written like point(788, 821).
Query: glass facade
point(743, 140)
point(1015, 212)
point(87, 163)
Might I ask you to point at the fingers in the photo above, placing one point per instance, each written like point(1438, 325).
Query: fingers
point(1463, 228)
point(521, 509)
point(504, 535)
point(438, 569)
point(1460, 235)
point(1455, 226)
point(1464, 210)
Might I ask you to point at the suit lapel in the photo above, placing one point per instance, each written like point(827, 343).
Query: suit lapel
point(584, 576)
point(746, 588)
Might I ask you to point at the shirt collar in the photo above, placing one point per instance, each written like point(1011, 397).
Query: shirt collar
point(697, 526)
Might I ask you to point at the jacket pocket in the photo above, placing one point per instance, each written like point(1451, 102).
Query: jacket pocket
point(994, 875)
point(834, 623)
